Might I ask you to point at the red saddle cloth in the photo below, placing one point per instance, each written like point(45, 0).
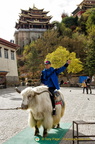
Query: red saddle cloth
point(58, 102)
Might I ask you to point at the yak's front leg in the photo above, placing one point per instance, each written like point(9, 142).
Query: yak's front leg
point(36, 131)
point(45, 132)
point(58, 125)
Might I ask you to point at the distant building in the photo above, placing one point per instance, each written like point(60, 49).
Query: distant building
point(31, 24)
point(8, 61)
point(83, 6)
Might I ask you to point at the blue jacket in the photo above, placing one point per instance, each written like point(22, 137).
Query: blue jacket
point(49, 76)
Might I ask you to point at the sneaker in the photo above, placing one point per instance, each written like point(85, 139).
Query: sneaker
point(54, 112)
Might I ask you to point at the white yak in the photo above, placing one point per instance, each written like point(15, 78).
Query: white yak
point(37, 100)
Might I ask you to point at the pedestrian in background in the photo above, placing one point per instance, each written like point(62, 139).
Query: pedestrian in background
point(88, 83)
point(84, 85)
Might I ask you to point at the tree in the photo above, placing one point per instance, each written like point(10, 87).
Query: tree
point(75, 44)
point(90, 59)
point(64, 15)
point(35, 53)
point(86, 20)
point(61, 55)
point(90, 21)
point(70, 22)
point(90, 62)
point(86, 14)
point(63, 30)
point(47, 43)
point(79, 45)
point(31, 57)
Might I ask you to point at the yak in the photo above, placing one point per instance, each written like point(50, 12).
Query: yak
point(37, 101)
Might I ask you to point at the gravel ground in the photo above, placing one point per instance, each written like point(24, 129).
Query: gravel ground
point(79, 106)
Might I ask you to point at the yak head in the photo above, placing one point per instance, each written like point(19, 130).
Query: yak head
point(28, 95)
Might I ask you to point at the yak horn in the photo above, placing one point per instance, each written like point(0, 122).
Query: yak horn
point(17, 90)
point(38, 93)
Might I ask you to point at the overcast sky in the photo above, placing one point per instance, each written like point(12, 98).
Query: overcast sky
point(10, 9)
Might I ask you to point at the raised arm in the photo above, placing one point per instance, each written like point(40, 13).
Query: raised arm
point(61, 69)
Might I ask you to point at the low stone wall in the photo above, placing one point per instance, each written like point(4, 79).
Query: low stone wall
point(12, 81)
point(74, 82)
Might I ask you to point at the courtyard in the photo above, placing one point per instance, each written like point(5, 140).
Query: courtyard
point(79, 106)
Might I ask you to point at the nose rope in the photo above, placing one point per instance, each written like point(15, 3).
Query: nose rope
point(17, 108)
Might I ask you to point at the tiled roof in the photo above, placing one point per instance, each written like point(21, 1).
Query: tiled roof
point(9, 44)
point(36, 21)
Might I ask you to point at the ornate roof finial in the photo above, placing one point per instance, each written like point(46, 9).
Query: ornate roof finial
point(33, 5)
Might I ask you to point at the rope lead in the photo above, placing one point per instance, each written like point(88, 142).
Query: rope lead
point(17, 108)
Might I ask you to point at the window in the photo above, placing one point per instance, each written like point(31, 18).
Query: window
point(12, 55)
point(6, 53)
point(0, 52)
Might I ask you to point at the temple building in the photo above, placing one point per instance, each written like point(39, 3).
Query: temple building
point(31, 24)
point(83, 6)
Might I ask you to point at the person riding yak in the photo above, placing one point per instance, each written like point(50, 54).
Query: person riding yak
point(49, 77)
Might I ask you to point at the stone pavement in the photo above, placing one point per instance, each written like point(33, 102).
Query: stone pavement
point(79, 106)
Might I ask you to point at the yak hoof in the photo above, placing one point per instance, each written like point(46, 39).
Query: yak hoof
point(53, 126)
point(36, 134)
point(58, 126)
point(45, 133)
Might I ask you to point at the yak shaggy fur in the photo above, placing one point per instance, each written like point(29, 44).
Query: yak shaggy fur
point(40, 107)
